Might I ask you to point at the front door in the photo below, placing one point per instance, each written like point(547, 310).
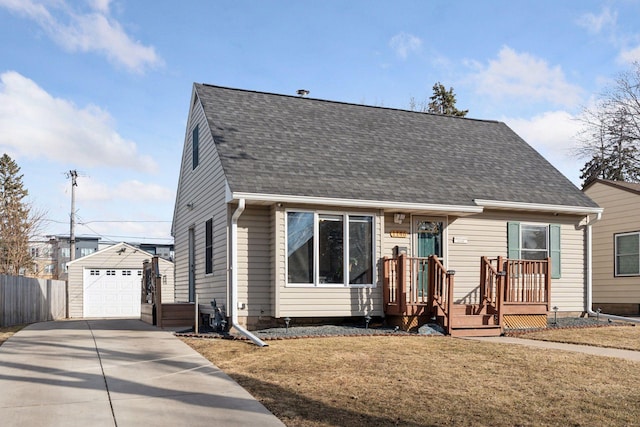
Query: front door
point(428, 234)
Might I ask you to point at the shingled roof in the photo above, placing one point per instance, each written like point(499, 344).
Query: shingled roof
point(286, 145)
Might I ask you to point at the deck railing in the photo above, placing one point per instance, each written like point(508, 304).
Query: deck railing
point(413, 285)
point(525, 281)
point(441, 290)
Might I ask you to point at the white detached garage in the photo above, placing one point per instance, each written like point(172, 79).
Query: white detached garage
point(107, 283)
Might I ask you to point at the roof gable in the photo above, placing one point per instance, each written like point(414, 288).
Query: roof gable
point(275, 144)
point(119, 248)
point(631, 187)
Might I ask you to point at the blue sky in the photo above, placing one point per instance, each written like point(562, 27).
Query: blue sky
point(103, 86)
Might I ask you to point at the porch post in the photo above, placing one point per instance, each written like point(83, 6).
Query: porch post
point(401, 287)
point(547, 283)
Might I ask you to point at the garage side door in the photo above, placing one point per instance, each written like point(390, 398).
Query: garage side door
point(111, 292)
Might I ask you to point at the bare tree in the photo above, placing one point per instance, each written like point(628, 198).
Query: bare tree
point(610, 137)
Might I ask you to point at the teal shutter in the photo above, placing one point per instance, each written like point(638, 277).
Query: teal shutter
point(513, 240)
point(554, 250)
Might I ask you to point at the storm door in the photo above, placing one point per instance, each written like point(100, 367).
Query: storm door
point(428, 235)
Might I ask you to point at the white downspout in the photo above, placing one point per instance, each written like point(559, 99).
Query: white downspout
point(589, 302)
point(234, 276)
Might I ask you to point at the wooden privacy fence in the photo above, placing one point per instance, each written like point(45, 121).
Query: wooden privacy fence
point(29, 300)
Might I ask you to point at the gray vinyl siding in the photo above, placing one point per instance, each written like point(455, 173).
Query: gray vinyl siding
point(204, 187)
point(621, 209)
point(310, 301)
point(486, 234)
point(109, 258)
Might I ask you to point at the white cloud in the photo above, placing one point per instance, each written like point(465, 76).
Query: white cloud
point(90, 190)
point(596, 23)
point(404, 43)
point(630, 55)
point(87, 32)
point(526, 78)
point(552, 134)
point(36, 125)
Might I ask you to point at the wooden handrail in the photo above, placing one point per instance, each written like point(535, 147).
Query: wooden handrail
point(441, 290)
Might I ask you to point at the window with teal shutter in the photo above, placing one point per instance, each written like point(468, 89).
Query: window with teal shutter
point(530, 241)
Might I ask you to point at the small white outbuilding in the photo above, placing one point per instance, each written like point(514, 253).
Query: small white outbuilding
point(108, 283)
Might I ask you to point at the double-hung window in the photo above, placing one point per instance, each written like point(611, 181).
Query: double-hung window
point(333, 249)
point(627, 248)
point(535, 242)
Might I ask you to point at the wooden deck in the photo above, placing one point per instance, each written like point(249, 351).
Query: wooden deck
point(417, 290)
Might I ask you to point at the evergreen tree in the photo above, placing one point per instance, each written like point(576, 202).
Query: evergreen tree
point(15, 221)
point(443, 101)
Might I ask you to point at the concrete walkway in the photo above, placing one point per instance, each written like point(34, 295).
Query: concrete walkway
point(116, 373)
point(587, 349)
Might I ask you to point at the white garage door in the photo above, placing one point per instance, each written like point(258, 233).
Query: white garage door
point(111, 292)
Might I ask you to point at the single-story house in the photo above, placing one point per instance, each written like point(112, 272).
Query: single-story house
point(616, 247)
point(304, 209)
point(108, 283)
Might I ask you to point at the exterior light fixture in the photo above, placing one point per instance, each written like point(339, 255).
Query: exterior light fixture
point(287, 320)
point(367, 319)
point(555, 314)
point(598, 311)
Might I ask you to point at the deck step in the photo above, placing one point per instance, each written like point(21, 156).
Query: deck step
point(471, 320)
point(477, 331)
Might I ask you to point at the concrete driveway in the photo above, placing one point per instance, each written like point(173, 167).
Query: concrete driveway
point(116, 373)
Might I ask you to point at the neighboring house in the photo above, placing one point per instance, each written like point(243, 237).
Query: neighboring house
point(108, 283)
point(616, 247)
point(41, 251)
point(334, 210)
point(60, 246)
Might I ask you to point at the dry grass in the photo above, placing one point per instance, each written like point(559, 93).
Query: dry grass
point(8, 331)
point(418, 381)
point(625, 337)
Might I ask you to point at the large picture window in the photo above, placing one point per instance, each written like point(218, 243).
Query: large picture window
point(329, 249)
point(627, 247)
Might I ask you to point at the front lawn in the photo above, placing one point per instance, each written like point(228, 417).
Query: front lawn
point(624, 337)
point(420, 381)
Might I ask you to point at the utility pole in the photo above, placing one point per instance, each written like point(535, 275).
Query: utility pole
point(73, 174)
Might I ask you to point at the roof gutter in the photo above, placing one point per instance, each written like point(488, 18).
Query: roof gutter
point(355, 203)
point(234, 276)
point(538, 207)
point(589, 301)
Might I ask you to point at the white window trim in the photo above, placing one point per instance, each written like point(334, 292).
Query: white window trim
point(615, 253)
point(316, 249)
